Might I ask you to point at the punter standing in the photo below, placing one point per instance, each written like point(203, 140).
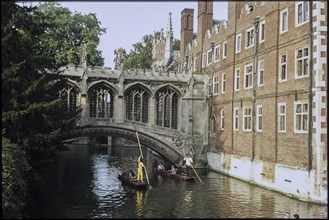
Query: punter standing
point(189, 162)
point(140, 167)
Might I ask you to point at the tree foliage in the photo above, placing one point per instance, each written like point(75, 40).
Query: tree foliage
point(35, 43)
point(67, 31)
point(15, 168)
point(140, 57)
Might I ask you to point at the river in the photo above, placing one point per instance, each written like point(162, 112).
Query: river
point(83, 183)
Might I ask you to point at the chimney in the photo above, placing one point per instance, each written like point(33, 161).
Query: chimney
point(205, 21)
point(187, 18)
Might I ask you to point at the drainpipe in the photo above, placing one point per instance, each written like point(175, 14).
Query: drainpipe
point(256, 22)
point(310, 93)
point(211, 96)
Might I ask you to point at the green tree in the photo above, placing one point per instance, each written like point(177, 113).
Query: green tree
point(120, 54)
point(15, 168)
point(32, 112)
point(67, 31)
point(176, 45)
point(140, 57)
point(33, 117)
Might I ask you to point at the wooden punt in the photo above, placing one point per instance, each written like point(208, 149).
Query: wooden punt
point(132, 182)
point(177, 176)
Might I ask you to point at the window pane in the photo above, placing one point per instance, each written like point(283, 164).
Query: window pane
point(305, 107)
point(298, 122)
point(299, 108)
point(305, 122)
point(299, 67)
point(306, 67)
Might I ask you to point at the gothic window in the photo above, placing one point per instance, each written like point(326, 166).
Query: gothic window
point(69, 94)
point(167, 108)
point(101, 100)
point(137, 105)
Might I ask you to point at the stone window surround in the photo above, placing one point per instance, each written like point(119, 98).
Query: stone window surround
point(236, 119)
point(259, 73)
point(281, 21)
point(238, 46)
point(262, 31)
point(237, 79)
point(246, 117)
point(303, 114)
point(258, 117)
point(280, 67)
point(304, 6)
point(282, 115)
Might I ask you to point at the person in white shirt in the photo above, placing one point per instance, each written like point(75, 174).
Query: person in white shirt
point(173, 169)
point(160, 166)
point(188, 162)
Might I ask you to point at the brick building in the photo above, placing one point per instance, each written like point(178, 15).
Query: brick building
point(267, 91)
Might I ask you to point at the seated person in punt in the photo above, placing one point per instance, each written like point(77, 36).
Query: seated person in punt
point(173, 170)
point(160, 166)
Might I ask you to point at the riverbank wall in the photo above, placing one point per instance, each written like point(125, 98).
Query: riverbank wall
point(290, 181)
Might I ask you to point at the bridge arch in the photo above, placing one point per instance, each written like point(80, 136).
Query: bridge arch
point(152, 141)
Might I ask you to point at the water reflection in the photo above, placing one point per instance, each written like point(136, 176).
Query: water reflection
point(84, 184)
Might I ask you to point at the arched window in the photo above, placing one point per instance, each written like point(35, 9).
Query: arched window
point(137, 104)
point(69, 94)
point(101, 100)
point(167, 108)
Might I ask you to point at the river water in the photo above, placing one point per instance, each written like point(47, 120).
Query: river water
point(84, 184)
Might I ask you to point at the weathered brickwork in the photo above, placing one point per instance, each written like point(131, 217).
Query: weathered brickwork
point(284, 49)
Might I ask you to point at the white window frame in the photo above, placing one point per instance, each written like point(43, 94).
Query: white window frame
point(237, 79)
point(282, 116)
point(259, 116)
point(238, 45)
point(262, 31)
point(251, 36)
point(236, 119)
point(216, 84)
point(260, 73)
point(223, 83)
point(281, 66)
point(303, 114)
point(222, 119)
point(245, 117)
point(204, 59)
point(194, 64)
point(303, 60)
point(281, 21)
point(217, 51)
point(224, 49)
point(250, 76)
point(305, 17)
point(209, 57)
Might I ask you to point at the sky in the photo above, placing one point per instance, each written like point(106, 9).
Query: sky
point(127, 22)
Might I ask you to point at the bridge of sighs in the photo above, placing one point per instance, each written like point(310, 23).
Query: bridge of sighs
point(169, 110)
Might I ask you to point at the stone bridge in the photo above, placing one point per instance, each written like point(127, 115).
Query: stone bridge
point(168, 109)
